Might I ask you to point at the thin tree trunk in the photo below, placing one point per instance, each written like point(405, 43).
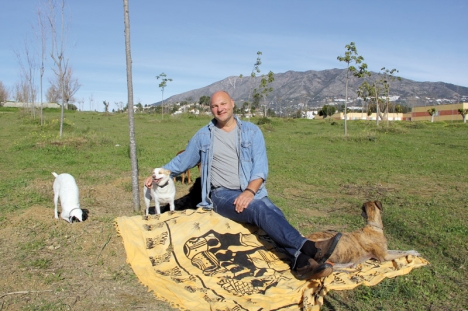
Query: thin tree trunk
point(63, 102)
point(162, 104)
point(377, 109)
point(386, 111)
point(346, 106)
point(131, 122)
point(42, 113)
point(58, 58)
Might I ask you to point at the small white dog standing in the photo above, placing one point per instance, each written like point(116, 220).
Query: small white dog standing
point(162, 192)
point(66, 188)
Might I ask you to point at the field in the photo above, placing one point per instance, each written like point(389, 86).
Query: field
point(318, 177)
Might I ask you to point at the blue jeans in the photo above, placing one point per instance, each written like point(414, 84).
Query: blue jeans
point(263, 214)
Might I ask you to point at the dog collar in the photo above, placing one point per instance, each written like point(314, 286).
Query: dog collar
point(71, 217)
point(167, 183)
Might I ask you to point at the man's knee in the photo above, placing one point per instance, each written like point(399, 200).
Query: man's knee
point(269, 209)
point(260, 209)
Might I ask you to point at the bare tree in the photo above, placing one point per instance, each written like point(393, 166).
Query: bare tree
point(106, 106)
point(70, 87)
point(26, 88)
point(119, 105)
point(20, 90)
point(3, 94)
point(91, 102)
point(131, 123)
point(53, 94)
point(81, 104)
point(42, 36)
point(57, 51)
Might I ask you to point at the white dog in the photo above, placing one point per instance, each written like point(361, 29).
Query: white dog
point(162, 192)
point(66, 188)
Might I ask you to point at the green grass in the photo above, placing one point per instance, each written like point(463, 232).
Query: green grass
point(318, 177)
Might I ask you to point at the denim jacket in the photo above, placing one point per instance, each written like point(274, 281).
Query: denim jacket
point(251, 151)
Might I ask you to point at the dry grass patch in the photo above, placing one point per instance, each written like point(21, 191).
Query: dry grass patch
point(48, 264)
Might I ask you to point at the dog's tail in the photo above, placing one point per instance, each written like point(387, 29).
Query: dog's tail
point(55, 174)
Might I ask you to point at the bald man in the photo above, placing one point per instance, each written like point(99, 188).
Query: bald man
point(234, 170)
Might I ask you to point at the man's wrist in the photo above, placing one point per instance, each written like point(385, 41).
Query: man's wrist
point(250, 190)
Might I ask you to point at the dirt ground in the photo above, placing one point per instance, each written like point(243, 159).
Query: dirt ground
point(49, 264)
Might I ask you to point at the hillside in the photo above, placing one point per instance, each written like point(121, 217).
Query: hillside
point(314, 88)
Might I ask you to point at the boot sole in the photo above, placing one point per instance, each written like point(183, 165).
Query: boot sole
point(326, 271)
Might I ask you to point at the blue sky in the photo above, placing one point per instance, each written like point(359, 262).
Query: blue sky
point(197, 43)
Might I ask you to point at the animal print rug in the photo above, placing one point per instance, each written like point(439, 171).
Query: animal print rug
point(197, 260)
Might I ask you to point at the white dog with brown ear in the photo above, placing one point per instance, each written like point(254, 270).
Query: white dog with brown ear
point(66, 188)
point(162, 192)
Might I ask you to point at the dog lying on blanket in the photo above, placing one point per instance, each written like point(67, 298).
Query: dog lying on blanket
point(66, 188)
point(363, 244)
point(162, 192)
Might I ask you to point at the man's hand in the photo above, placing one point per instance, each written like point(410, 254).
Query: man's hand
point(149, 182)
point(243, 201)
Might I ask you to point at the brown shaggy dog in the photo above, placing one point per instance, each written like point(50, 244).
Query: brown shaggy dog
point(363, 244)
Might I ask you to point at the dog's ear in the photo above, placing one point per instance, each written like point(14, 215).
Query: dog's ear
point(85, 214)
point(164, 171)
point(379, 205)
point(74, 219)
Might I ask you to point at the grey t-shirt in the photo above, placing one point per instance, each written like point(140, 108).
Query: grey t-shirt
point(225, 165)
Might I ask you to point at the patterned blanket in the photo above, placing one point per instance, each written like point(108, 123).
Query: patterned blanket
point(198, 260)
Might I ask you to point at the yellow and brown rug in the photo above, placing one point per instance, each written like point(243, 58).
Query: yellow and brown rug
point(198, 260)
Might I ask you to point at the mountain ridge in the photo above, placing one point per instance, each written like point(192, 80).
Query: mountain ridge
point(315, 88)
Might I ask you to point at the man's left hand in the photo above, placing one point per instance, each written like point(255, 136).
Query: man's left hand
point(243, 201)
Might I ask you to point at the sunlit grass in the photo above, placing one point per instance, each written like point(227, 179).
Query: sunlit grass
point(317, 176)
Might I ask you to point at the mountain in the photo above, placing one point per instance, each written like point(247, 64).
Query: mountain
point(315, 88)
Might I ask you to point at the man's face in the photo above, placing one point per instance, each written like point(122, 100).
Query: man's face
point(222, 107)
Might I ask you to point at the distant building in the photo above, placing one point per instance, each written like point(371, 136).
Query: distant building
point(310, 114)
point(447, 112)
point(28, 105)
point(363, 116)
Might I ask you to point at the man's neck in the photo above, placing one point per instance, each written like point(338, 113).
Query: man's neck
point(228, 125)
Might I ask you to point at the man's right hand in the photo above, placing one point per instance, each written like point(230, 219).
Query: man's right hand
point(149, 182)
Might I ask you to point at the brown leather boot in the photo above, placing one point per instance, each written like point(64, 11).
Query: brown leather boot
point(313, 270)
point(325, 248)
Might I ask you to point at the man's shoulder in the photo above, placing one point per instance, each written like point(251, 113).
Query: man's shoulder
point(204, 129)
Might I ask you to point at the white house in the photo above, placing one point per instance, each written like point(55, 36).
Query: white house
point(27, 105)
